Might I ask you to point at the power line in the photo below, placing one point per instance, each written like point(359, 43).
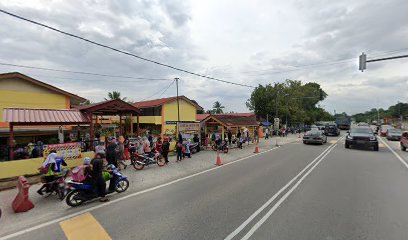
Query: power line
point(161, 91)
point(78, 72)
point(120, 51)
point(98, 80)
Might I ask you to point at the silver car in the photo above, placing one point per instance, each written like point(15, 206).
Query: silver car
point(314, 136)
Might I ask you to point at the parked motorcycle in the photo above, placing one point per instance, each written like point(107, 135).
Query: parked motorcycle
point(223, 147)
point(81, 192)
point(139, 161)
point(57, 186)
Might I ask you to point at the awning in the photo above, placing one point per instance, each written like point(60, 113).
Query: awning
point(266, 123)
point(27, 116)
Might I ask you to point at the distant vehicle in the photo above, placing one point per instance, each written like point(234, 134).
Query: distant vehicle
point(394, 134)
point(320, 126)
point(363, 124)
point(331, 130)
point(314, 136)
point(384, 129)
point(343, 122)
point(404, 141)
point(361, 136)
point(374, 128)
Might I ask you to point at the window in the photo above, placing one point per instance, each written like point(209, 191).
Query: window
point(153, 111)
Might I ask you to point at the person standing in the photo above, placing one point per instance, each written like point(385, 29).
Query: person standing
point(229, 137)
point(266, 133)
point(121, 154)
point(187, 152)
point(166, 149)
point(96, 173)
point(179, 149)
point(159, 145)
point(180, 137)
point(256, 136)
point(111, 153)
point(150, 138)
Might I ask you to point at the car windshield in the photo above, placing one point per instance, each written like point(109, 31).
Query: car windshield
point(361, 130)
point(314, 132)
point(398, 131)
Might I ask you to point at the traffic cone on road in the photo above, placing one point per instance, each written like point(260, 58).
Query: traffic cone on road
point(256, 148)
point(219, 161)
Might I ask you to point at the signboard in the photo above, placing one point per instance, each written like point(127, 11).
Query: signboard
point(68, 151)
point(183, 127)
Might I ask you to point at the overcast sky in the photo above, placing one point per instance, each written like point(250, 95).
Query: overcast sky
point(250, 42)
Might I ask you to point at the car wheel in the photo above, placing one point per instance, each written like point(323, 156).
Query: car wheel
point(403, 148)
point(376, 148)
point(304, 142)
point(347, 145)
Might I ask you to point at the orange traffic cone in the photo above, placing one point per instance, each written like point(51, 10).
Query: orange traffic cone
point(219, 161)
point(256, 148)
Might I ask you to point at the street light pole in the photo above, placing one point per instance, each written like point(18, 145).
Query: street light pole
point(178, 106)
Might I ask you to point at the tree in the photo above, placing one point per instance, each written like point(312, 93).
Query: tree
point(217, 108)
point(115, 95)
point(87, 102)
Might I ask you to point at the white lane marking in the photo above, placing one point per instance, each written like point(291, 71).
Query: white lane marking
point(395, 153)
point(21, 232)
point(267, 203)
point(281, 200)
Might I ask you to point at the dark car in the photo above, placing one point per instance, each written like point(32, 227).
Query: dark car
point(314, 136)
point(404, 141)
point(361, 136)
point(331, 130)
point(394, 134)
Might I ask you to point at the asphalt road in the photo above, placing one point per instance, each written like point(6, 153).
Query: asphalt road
point(293, 192)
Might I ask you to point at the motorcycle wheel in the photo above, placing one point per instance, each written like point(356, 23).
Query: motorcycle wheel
point(122, 185)
point(137, 164)
point(70, 199)
point(61, 193)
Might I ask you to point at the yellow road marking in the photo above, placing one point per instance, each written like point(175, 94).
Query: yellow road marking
point(381, 145)
point(332, 141)
point(84, 226)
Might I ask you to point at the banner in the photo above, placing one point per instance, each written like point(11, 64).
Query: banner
point(183, 127)
point(68, 151)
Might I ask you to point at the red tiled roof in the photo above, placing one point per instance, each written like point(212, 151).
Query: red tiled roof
point(28, 116)
point(231, 120)
point(109, 107)
point(250, 114)
point(200, 117)
point(161, 101)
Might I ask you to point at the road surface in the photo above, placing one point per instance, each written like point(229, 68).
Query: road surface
point(295, 191)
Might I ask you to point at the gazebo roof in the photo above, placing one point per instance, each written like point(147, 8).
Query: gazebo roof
point(109, 107)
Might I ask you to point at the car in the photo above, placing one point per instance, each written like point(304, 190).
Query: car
point(314, 136)
point(383, 130)
point(363, 124)
point(331, 130)
point(361, 136)
point(404, 141)
point(394, 134)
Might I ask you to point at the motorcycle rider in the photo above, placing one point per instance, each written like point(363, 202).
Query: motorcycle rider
point(50, 169)
point(97, 176)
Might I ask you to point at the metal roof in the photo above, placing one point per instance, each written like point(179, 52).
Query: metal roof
point(27, 116)
point(161, 101)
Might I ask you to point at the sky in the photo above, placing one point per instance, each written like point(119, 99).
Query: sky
point(248, 42)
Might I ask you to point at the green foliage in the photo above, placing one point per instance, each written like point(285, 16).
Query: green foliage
point(114, 95)
point(394, 111)
point(217, 108)
point(293, 99)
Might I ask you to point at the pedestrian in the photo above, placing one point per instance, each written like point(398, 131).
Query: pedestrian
point(180, 137)
point(120, 157)
point(111, 153)
point(100, 148)
point(96, 173)
point(213, 138)
point(150, 138)
point(179, 150)
point(146, 145)
point(238, 134)
point(166, 149)
point(256, 136)
point(159, 145)
point(266, 133)
point(187, 152)
point(229, 137)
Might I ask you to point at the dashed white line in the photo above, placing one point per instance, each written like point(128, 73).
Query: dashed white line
point(395, 153)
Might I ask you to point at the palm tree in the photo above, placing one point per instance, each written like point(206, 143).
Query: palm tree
point(217, 108)
point(115, 95)
point(87, 102)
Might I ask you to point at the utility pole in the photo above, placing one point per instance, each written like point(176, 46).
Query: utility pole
point(363, 60)
point(178, 106)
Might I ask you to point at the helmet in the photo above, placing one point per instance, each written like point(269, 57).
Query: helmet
point(111, 167)
point(87, 161)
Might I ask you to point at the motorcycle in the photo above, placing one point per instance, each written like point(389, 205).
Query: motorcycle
point(139, 161)
point(57, 186)
point(81, 192)
point(223, 147)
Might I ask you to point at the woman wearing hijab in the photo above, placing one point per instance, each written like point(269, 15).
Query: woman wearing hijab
point(111, 153)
